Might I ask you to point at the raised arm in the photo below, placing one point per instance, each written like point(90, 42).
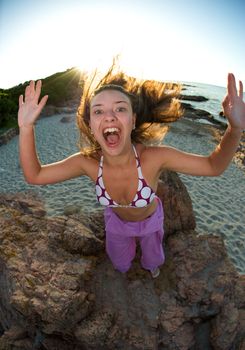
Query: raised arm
point(219, 159)
point(35, 173)
point(29, 110)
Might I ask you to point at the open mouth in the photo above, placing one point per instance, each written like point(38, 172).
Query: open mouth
point(111, 136)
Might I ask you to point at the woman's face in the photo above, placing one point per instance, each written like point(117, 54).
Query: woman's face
point(112, 120)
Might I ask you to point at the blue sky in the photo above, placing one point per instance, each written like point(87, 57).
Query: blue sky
point(189, 40)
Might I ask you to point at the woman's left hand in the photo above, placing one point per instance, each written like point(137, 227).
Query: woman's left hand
point(233, 104)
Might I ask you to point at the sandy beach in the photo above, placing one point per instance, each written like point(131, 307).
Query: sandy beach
point(218, 202)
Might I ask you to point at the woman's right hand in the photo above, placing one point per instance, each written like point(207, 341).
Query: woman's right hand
point(29, 107)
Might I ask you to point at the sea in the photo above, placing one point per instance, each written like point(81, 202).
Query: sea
point(214, 94)
point(56, 140)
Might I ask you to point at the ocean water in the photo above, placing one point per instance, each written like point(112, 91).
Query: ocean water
point(215, 95)
point(218, 202)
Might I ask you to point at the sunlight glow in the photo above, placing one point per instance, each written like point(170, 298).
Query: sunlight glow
point(153, 45)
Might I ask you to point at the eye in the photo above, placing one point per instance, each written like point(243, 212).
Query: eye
point(121, 109)
point(98, 111)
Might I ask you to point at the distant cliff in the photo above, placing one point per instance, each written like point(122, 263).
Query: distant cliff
point(62, 88)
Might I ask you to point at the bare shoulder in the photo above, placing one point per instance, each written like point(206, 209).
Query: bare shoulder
point(153, 158)
point(83, 164)
point(153, 154)
point(158, 158)
point(163, 157)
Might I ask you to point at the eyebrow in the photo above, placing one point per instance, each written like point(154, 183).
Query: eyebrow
point(101, 104)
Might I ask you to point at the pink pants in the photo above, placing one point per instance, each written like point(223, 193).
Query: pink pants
point(121, 239)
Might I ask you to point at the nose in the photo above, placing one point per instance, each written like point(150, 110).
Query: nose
point(110, 115)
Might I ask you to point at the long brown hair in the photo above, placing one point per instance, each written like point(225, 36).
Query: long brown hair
point(154, 103)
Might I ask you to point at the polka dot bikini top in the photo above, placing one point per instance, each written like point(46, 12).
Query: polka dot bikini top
point(144, 195)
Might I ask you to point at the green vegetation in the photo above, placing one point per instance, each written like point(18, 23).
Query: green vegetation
point(61, 87)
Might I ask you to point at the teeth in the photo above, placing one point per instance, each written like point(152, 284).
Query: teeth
point(111, 130)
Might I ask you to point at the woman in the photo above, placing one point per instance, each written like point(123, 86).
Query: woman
point(118, 119)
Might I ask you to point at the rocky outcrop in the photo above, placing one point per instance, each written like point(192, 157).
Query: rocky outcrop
point(60, 291)
point(178, 211)
point(51, 110)
point(196, 98)
point(67, 119)
point(196, 114)
point(8, 135)
point(239, 156)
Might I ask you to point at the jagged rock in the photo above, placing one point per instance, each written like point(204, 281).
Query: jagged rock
point(196, 114)
point(49, 110)
point(239, 156)
point(58, 289)
point(67, 119)
point(70, 107)
point(178, 211)
point(8, 135)
point(72, 236)
point(196, 98)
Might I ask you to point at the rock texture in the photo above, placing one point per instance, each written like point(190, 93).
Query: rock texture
point(197, 114)
point(58, 289)
point(69, 108)
point(8, 135)
point(239, 156)
point(196, 98)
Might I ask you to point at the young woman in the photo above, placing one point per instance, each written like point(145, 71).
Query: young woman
point(118, 119)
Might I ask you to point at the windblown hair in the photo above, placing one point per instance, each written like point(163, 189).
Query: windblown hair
point(154, 103)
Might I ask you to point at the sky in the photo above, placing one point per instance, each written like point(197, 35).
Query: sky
point(174, 40)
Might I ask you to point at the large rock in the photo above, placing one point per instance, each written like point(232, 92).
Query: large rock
point(58, 289)
point(8, 135)
point(196, 98)
point(178, 211)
